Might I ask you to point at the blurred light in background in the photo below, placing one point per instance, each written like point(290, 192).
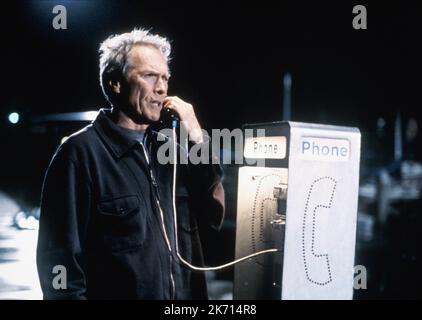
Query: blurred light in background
point(18, 243)
point(13, 117)
point(68, 116)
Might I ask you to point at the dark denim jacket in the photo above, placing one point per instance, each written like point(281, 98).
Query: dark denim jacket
point(100, 218)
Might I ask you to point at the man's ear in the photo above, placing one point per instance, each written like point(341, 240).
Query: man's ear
point(114, 86)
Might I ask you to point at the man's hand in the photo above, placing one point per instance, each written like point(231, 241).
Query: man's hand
point(187, 117)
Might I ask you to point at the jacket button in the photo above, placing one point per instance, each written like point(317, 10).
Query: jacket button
point(122, 211)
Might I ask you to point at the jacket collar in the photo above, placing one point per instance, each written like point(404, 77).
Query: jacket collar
point(118, 140)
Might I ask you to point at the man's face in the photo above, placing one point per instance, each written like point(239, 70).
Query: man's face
point(147, 78)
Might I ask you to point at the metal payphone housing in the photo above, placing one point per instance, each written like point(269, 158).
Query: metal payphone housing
point(299, 196)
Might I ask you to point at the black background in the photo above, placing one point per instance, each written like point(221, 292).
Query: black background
point(229, 57)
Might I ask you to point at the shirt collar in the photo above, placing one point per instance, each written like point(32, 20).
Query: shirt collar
point(119, 140)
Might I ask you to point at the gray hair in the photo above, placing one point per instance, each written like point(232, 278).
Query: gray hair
point(114, 50)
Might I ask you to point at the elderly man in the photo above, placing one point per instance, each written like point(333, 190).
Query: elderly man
point(106, 227)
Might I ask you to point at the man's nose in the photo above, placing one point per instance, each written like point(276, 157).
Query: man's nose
point(161, 87)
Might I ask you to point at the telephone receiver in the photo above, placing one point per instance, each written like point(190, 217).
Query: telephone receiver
point(169, 118)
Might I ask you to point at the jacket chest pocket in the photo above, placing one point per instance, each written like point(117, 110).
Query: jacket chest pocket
point(123, 222)
point(185, 220)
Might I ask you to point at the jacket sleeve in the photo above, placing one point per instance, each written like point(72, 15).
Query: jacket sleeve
point(205, 183)
point(64, 212)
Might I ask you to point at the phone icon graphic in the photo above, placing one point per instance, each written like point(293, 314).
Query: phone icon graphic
point(316, 260)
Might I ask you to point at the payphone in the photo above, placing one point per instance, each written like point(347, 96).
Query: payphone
point(297, 193)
